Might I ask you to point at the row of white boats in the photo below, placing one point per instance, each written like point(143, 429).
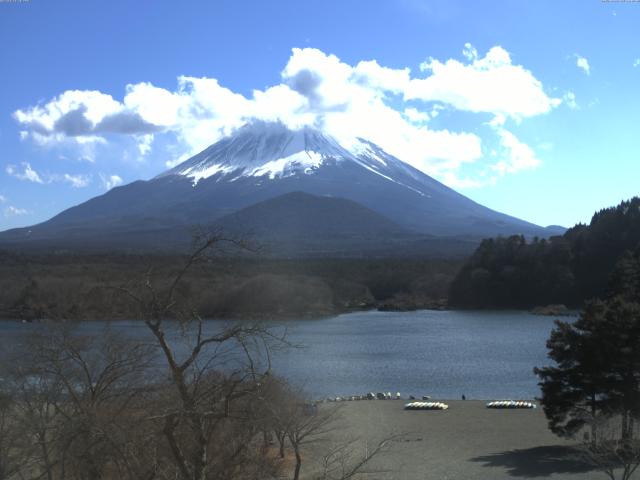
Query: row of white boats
point(498, 404)
point(511, 404)
point(428, 405)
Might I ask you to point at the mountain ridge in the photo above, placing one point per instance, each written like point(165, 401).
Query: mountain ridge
point(266, 160)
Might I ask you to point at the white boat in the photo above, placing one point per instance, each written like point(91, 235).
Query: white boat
point(500, 404)
point(426, 406)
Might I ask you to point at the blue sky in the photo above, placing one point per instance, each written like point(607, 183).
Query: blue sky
point(530, 108)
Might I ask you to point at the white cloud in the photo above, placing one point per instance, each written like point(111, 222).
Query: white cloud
point(176, 161)
point(144, 143)
point(84, 115)
point(3, 199)
point(76, 181)
point(12, 211)
point(382, 79)
point(491, 84)
point(155, 105)
point(26, 173)
point(519, 156)
point(583, 64)
point(569, 99)
point(636, 62)
point(416, 116)
point(512, 157)
point(455, 181)
point(470, 52)
point(110, 181)
point(386, 105)
point(350, 102)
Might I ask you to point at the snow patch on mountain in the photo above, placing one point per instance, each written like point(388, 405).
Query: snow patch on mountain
point(271, 150)
point(364, 148)
point(306, 161)
point(197, 174)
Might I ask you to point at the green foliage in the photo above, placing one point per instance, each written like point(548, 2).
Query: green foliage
point(597, 366)
point(597, 359)
point(511, 273)
point(625, 279)
point(569, 269)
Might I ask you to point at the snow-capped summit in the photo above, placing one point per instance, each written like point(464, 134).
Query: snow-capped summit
point(263, 161)
point(271, 150)
point(260, 149)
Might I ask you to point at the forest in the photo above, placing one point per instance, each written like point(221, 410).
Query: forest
point(80, 287)
point(569, 269)
point(503, 272)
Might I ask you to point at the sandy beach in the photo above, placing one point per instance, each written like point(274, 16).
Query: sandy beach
point(468, 441)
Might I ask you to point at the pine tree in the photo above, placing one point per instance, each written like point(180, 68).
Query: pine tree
point(597, 358)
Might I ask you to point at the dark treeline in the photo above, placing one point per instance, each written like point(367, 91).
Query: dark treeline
point(569, 269)
point(591, 391)
point(80, 285)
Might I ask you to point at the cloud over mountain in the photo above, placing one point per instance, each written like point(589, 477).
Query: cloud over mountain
point(389, 106)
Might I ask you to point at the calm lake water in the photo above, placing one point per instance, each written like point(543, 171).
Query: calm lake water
point(445, 354)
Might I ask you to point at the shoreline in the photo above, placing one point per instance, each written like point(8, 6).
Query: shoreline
point(285, 317)
point(403, 400)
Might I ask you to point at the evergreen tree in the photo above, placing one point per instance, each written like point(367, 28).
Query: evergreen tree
point(625, 279)
point(569, 269)
point(575, 390)
point(597, 360)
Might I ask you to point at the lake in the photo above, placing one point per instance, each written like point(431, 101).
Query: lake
point(484, 355)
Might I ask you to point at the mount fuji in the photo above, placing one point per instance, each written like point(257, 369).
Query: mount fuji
point(288, 186)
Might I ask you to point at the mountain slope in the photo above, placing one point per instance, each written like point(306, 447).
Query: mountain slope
point(300, 224)
point(301, 215)
point(262, 161)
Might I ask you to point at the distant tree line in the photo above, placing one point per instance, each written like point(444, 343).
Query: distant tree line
point(569, 269)
point(77, 286)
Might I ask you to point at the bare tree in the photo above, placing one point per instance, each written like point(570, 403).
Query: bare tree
point(37, 416)
point(10, 462)
point(343, 461)
point(303, 423)
point(99, 406)
point(314, 431)
point(616, 449)
point(273, 411)
point(76, 400)
point(190, 401)
point(214, 375)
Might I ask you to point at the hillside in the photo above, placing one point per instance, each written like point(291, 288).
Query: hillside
point(298, 224)
point(515, 273)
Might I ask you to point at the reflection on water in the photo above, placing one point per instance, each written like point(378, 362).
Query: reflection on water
point(444, 354)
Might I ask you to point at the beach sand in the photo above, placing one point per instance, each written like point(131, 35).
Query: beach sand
point(468, 441)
